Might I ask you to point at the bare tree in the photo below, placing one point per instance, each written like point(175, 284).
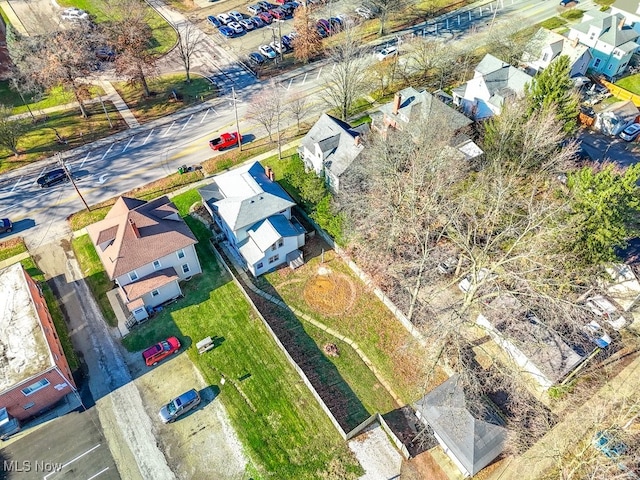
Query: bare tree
point(132, 38)
point(507, 41)
point(11, 129)
point(431, 59)
point(346, 81)
point(307, 43)
point(267, 110)
point(189, 41)
point(385, 8)
point(298, 106)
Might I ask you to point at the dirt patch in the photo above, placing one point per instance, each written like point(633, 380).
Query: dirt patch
point(330, 293)
point(422, 466)
point(376, 454)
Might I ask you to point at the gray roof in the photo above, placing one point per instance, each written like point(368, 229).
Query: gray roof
point(559, 46)
point(337, 143)
point(473, 432)
point(245, 195)
point(501, 79)
point(415, 105)
point(610, 33)
point(630, 6)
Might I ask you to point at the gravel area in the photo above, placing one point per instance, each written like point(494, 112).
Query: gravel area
point(376, 454)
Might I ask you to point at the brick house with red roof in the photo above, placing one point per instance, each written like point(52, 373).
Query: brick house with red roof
point(147, 249)
point(34, 372)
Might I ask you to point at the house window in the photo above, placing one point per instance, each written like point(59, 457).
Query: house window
point(185, 268)
point(592, 36)
point(138, 311)
point(133, 276)
point(180, 253)
point(274, 247)
point(259, 266)
point(34, 387)
point(610, 66)
point(545, 57)
point(274, 258)
point(156, 264)
point(280, 242)
point(597, 63)
point(29, 405)
point(155, 293)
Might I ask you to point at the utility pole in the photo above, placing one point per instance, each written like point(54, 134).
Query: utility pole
point(235, 109)
point(280, 40)
point(70, 177)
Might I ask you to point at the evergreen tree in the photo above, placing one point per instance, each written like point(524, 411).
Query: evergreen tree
point(554, 89)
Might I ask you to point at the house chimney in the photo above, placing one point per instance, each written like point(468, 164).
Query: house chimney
point(397, 100)
point(356, 140)
point(136, 232)
point(270, 175)
point(575, 42)
point(621, 23)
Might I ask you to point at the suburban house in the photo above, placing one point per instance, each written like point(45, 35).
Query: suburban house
point(545, 46)
point(493, 82)
point(147, 249)
point(472, 435)
point(611, 42)
point(536, 349)
point(35, 372)
point(330, 147)
point(254, 213)
point(630, 10)
point(615, 117)
point(410, 107)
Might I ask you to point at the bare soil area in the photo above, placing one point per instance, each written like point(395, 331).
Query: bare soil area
point(376, 454)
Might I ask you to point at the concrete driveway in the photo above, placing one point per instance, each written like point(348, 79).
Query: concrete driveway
point(601, 147)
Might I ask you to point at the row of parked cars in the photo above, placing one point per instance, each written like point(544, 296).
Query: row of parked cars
point(262, 13)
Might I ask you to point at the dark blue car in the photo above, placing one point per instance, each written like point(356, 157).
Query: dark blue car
point(227, 32)
point(214, 21)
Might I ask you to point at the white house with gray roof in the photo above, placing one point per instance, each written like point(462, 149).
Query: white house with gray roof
point(330, 147)
point(611, 41)
point(254, 213)
point(493, 82)
point(545, 46)
point(472, 434)
point(630, 10)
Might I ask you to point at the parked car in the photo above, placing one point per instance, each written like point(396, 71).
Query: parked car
point(227, 31)
point(256, 59)
point(179, 406)
point(224, 18)
point(336, 24)
point(258, 22)
point(278, 13)
point(226, 140)
point(236, 27)
point(609, 443)
point(265, 17)
point(448, 266)
point(603, 308)
point(287, 40)
point(566, 3)
point(160, 351)
point(364, 12)
point(325, 25)
point(322, 32)
point(254, 9)
point(596, 334)
point(465, 284)
point(387, 52)
point(52, 177)
point(5, 225)
point(266, 6)
point(278, 47)
point(288, 8)
point(214, 21)
point(106, 54)
point(630, 133)
point(73, 14)
point(236, 15)
point(247, 25)
point(267, 51)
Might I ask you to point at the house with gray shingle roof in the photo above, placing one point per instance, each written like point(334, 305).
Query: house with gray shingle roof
point(493, 83)
point(471, 433)
point(545, 46)
point(254, 213)
point(330, 147)
point(147, 249)
point(630, 10)
point(611, 42)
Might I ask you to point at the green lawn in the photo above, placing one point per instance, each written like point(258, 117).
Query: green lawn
point(282, 427)
point(164, 36)
point(11, 248)
point(162, 102)
point(56, 314)
point(630, 83)
point(51, 98)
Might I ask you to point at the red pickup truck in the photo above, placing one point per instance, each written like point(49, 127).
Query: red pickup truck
point(225, 140)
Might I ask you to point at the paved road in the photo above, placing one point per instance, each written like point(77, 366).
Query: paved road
point(67, 447)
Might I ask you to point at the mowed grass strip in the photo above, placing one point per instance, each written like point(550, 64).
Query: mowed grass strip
point(283, 429)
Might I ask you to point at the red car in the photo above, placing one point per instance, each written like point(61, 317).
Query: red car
point(160, 351)
point(278, 13)
point(265, 17)
point(225, 140)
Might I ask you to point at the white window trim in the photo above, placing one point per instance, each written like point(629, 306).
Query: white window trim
point(155, 293)
point(42, 383)
point(133, 276)
point(181, 251)
point(188, 268)
point(158, 266)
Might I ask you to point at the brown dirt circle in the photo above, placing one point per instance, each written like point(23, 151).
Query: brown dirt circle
point(331, 294)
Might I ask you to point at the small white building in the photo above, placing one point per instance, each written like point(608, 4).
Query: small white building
point(254, 213)
point(545, 46)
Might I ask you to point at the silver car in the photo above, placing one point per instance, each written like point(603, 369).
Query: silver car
point(630, 133)
point(179, 406)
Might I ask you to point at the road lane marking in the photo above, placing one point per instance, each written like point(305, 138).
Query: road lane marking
point(128, 143)
point(205, 115)
point(168, 129)
point(16, 184)
point(107, 152)
point(214, 111)
point(99, 473)
point(319, 72)
point(71, 461)
point(186, 123)
point(305, 78)
point(145, 140)
point(84, 159)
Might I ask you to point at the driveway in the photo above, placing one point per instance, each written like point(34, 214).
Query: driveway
point(600, 147)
